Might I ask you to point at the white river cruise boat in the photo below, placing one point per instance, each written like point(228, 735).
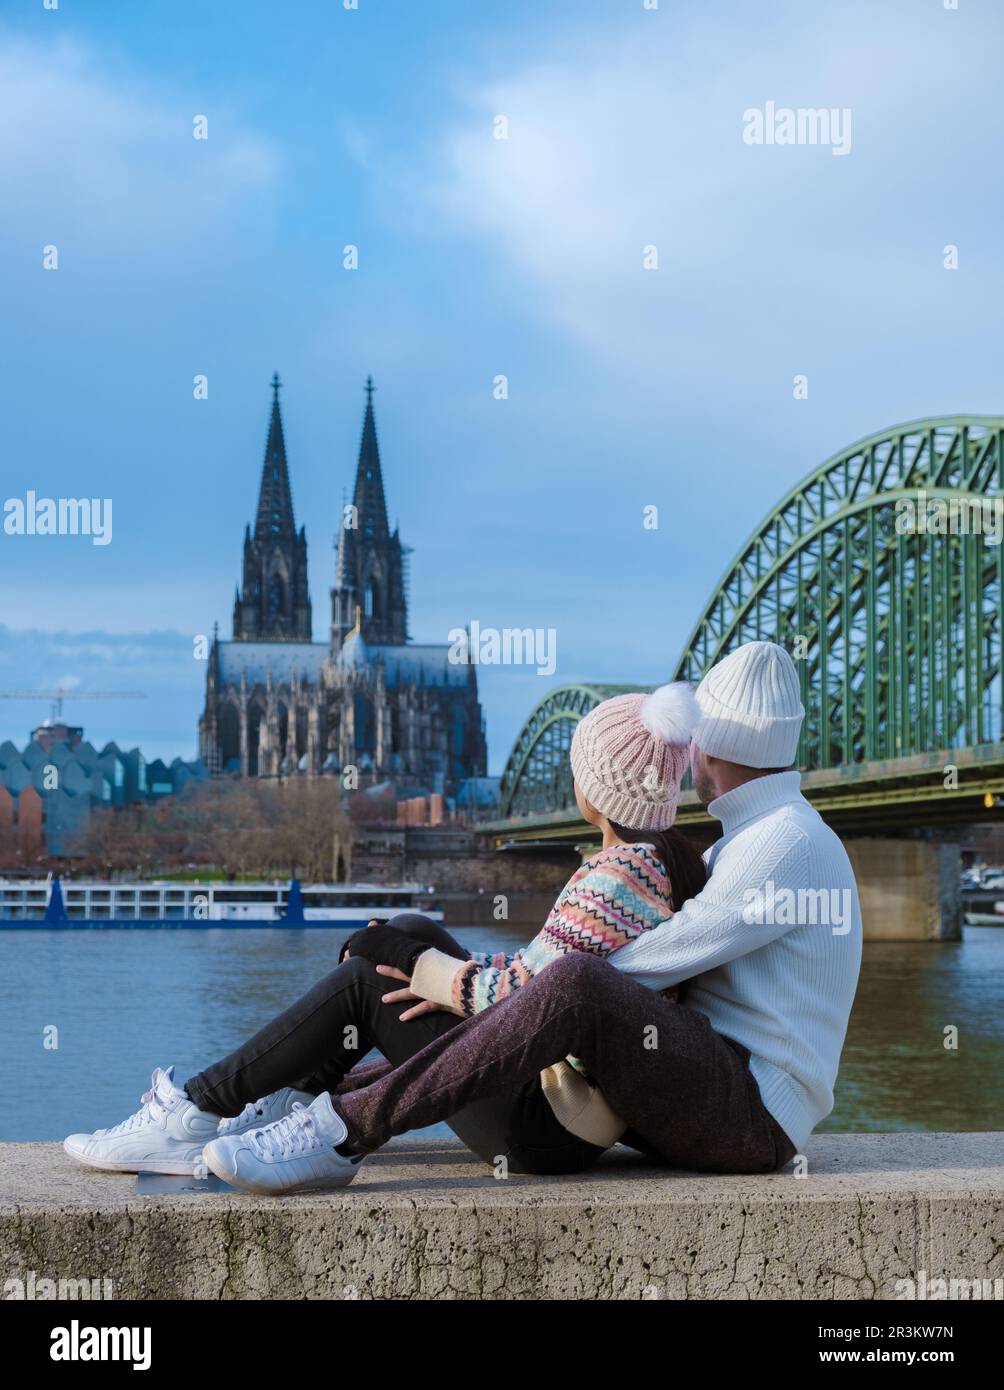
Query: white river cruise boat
point(86, 903)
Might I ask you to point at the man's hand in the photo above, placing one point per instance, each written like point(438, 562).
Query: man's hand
point(401, 996)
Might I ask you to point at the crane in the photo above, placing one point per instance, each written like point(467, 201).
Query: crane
point(60, 694)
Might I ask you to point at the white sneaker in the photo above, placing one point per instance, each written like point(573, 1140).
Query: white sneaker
point(296, 1154)
point(166, 1135)
point(258, 1113)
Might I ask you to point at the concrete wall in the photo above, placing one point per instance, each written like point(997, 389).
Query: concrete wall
point(909, 889)
point(871, 1216)
point(455, 859)
point(525, 910)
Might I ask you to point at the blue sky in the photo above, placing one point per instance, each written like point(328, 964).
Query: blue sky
point(628, 387)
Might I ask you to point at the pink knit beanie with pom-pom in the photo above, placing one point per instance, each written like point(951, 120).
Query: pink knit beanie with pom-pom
point(629, 755)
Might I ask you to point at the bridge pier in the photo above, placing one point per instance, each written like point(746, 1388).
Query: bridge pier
point(910, 890)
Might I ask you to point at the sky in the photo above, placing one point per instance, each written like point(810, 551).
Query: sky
point(636, 379)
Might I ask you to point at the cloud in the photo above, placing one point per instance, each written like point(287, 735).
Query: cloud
point(633, 138)
point(109, 164)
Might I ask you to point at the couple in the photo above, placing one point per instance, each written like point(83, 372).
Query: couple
point(657, 1008)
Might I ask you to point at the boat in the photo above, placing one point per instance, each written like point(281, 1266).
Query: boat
point(167, 903)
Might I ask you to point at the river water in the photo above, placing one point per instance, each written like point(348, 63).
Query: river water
point(119, 1002)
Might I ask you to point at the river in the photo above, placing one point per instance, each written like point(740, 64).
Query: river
point(119, 1002)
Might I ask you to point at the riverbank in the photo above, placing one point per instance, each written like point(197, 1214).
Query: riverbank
point(873, 1217)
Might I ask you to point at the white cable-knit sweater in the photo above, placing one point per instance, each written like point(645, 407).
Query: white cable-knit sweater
point(771, 946)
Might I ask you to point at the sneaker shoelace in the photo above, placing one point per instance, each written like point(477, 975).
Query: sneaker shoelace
point(253, 1110)
point(151, 1111)
point(294, 1133)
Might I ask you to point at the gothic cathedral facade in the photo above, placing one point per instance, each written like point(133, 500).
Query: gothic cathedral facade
point(369, 698)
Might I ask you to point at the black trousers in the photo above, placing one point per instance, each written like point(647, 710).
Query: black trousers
point(318, 1040)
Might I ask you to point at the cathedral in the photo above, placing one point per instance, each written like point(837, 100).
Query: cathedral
point(369, 698)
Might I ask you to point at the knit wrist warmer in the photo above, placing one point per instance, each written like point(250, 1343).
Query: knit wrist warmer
point(434, 975)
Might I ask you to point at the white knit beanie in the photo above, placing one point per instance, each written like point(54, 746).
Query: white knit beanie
point(751, 708)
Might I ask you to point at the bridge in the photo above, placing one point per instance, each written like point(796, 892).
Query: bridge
point(882, 573)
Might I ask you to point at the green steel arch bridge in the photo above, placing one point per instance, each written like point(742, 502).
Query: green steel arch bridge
point(882, 573)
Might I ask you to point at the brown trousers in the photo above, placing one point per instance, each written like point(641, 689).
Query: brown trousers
point(685, 1091)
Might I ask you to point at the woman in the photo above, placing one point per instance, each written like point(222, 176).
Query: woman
point(628, 757)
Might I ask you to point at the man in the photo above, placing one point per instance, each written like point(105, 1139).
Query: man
point(735, 1079)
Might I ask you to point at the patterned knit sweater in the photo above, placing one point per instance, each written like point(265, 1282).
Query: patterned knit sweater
point(612, 898)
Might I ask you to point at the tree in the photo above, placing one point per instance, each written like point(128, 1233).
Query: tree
point(246, 829)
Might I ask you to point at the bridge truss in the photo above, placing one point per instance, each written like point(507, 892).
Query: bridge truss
point(893, 617)
point(895, 621)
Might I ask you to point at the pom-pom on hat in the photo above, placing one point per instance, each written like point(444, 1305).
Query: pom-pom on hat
point(629, 755)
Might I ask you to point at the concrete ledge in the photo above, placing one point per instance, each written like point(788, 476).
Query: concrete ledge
point(428, 1220)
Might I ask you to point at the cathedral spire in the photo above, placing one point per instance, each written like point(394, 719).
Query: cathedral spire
point(369, 568)
point(273, 601)
point(371, 507)
point(275, 497)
